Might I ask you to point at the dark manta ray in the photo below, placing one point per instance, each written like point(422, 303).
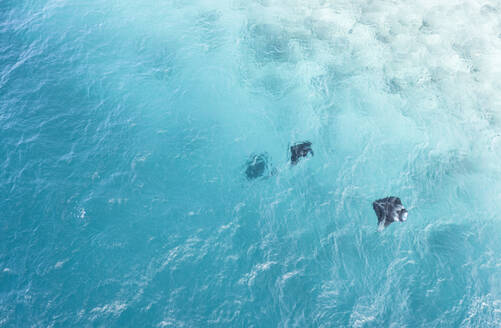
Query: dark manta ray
point(257, 166)
point(389, 210)
point(302, 149)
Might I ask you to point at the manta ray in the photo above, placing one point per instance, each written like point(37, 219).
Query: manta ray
point(298, 150)
point(389, 210)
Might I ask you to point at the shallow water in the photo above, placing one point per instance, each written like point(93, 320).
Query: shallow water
point(125, 129)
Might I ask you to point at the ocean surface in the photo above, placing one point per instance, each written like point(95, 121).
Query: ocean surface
point(126, 126)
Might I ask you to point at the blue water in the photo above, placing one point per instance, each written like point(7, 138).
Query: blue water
point(125, 127)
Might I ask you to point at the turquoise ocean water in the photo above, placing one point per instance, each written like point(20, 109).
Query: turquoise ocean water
point(125, 127)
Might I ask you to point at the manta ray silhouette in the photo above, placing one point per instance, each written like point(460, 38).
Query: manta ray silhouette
point(257, 166)
point(298, 150)
point(389, 210)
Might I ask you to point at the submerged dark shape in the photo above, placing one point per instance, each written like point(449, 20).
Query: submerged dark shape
point(299, 150)
point(389, 210)
point(257, 166)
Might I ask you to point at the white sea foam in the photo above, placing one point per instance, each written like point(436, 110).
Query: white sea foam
point(114, 308)
point(60, 264)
